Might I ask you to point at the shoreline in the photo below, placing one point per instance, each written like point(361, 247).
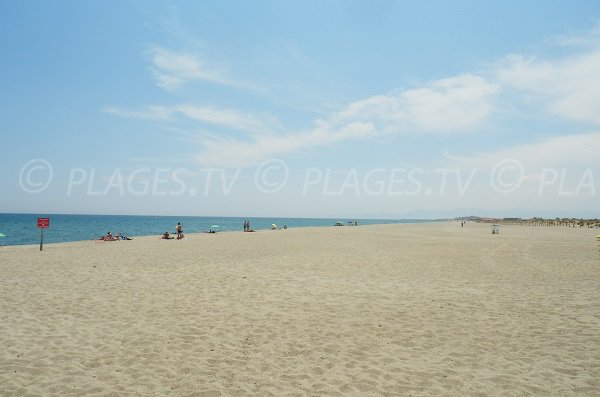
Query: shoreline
point(195, 236)
point(389, 222)
point(188, 236)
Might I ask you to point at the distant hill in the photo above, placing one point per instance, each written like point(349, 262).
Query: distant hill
point(471, 218)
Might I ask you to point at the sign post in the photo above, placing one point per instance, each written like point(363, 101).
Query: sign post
point(42, 223)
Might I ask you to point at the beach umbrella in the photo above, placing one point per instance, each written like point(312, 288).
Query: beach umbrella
point(273, 226)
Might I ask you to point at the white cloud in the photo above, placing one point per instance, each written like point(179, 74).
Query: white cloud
point(150, 113)
point(173, 69)
point(447, 106)
point(552, 174)
point(568, 87)
point(230, 118)
point(453, 105)
point(236, 153)
point(589, 38)
point(578, 150)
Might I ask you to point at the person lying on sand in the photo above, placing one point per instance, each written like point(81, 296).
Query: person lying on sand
point(122, 237)
point(108, 237)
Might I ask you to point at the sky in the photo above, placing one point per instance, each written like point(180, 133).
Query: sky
point(388, 109)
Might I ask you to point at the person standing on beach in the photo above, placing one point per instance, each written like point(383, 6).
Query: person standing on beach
point(179, 230)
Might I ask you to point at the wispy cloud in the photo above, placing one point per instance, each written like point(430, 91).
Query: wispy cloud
point(560, 167)
point(568, 87)
point(575, 150)
point(172, 70)
point(230, 119)
point(454, 105)
point(153, 113)
point(236, 153)
point(581, 39)
point(447, 106)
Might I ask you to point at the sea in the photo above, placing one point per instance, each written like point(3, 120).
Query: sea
point(21, 229)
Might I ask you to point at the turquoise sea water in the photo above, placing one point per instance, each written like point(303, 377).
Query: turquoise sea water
point(22, 228)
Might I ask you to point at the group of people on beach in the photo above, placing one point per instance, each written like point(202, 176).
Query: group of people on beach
point(110, 237)
point(178, 231)
point(166, 235)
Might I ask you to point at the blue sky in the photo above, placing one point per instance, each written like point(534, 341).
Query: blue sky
point(325, 109)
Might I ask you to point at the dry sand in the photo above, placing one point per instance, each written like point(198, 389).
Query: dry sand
point(391, 310)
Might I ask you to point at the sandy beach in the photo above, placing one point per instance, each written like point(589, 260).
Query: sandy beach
point(389, 310)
